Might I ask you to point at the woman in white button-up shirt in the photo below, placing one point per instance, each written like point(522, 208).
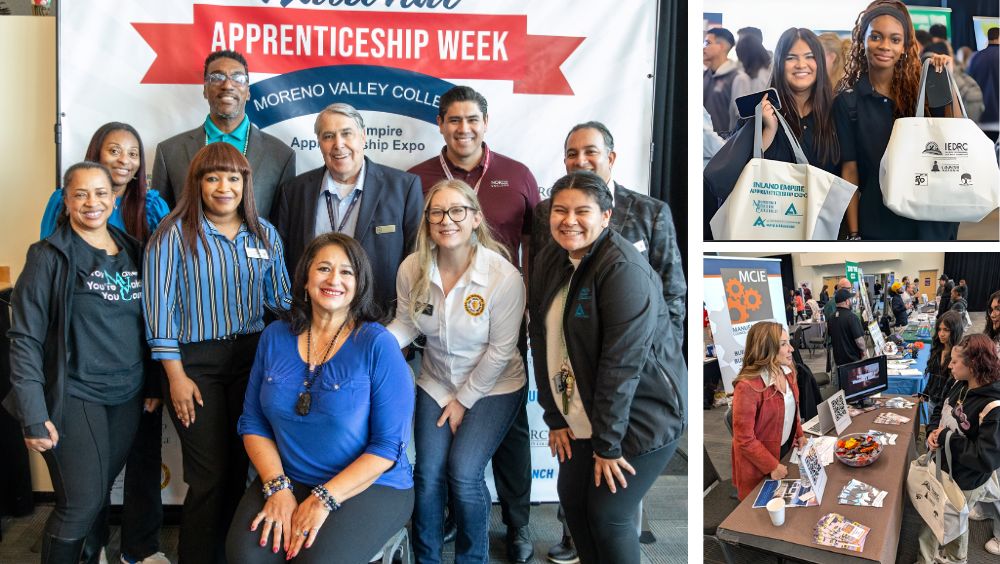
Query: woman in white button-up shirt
point(461, 291)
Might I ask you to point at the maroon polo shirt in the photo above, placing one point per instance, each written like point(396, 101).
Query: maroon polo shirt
point(508, 193)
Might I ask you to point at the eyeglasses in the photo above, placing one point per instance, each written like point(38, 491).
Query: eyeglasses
point(457, 214)
point(240, 78)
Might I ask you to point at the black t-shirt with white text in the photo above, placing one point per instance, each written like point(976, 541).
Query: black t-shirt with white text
point(106, 332)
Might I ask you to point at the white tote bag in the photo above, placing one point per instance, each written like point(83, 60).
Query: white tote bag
point(774, 200)
point(936, 497)
point(938, 168)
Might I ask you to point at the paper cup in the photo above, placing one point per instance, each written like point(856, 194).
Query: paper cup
point(776, 510)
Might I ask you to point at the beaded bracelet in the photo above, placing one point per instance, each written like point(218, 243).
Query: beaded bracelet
point(273, 486)
point(328, 500)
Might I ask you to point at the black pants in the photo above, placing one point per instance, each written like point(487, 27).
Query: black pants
point(94, 440)
point(142, 506)
point(512, 460)
point(603, 524)
point(352, 534)
point(215, 463)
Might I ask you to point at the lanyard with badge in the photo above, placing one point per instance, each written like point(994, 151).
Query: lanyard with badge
point(329, 209)
point(564, 379)
point(486, 167)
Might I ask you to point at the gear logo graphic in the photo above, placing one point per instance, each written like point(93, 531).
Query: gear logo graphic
point(741, 301)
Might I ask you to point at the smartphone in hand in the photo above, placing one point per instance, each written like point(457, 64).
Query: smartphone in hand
point(747, 105)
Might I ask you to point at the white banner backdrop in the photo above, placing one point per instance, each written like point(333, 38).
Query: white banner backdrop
point(740, 292)
point(542, 66)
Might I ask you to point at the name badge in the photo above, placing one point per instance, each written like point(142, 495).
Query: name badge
point(256, 253)
point(640, 245)
point(380, 229)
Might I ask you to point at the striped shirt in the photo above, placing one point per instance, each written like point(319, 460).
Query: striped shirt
point(221, 292)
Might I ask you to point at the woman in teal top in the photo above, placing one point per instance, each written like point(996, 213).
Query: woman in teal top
point(138, 210)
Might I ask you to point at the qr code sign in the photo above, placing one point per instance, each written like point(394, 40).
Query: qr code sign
point(839, 408)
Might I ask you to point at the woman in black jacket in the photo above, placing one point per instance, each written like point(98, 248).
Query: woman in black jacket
point(77, 399)
point(947, 333)
point(968, 422)
point(897, 305)
point(612, 392)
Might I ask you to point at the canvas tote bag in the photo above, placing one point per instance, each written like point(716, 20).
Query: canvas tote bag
point(939, 168)
point(935, 495)
point(775, 200)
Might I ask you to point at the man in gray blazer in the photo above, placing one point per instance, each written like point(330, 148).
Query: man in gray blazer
point(227, 88)
point(646, 222)
point(378, 205)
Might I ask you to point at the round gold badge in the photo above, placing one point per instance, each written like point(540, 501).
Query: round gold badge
point(475, 304)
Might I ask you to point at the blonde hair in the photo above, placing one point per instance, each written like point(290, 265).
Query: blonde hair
point(761, 351)
point(833, 44)
point(482, 236)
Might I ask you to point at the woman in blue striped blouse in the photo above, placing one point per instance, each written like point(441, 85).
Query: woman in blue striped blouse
point(211, 269)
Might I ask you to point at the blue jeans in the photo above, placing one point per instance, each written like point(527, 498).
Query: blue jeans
point(457, 463)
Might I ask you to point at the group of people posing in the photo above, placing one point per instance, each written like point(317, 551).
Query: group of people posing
point(842, 116)
point(272, 314)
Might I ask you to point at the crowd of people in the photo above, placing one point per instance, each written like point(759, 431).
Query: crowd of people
point(178, 293)
point(963, 381)
point(840, 99)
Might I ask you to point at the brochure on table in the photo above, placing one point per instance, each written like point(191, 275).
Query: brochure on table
point(812, 471)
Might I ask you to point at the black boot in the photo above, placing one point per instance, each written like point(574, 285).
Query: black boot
point(60, 551)
point(519, 547)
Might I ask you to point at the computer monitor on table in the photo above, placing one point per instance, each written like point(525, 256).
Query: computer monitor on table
point(863, 378)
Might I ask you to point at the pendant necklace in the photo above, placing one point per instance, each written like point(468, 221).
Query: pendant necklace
point(304, 403)
point(564, 379)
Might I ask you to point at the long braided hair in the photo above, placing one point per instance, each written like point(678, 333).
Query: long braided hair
point(906, 74)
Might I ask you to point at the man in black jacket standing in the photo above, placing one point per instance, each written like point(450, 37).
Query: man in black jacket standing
point(644, 221)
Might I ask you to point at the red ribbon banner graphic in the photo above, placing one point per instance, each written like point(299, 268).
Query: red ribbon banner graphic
point(277, 41)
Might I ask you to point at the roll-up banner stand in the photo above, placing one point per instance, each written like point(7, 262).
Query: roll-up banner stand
point(740, 292)
point(542, 66)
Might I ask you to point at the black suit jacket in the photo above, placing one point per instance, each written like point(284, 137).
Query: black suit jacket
point(271, 161)
point(646, 223)
point(388, 218)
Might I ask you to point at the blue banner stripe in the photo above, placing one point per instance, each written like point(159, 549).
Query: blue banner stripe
point(376, 88)
point(712, 265)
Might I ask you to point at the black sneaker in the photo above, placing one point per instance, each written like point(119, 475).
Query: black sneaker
point(519, 548)
point(564, 552)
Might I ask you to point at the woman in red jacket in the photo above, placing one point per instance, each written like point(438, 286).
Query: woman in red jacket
point(765, 408)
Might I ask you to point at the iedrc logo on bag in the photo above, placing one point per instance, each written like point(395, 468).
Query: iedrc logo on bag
point(792, 211)
point(943, 158)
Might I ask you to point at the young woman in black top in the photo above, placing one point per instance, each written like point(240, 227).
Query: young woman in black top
point(947, 333)
point(806, 96)
point(881, 84)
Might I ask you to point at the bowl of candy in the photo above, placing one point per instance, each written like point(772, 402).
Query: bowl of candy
point(858, 449)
